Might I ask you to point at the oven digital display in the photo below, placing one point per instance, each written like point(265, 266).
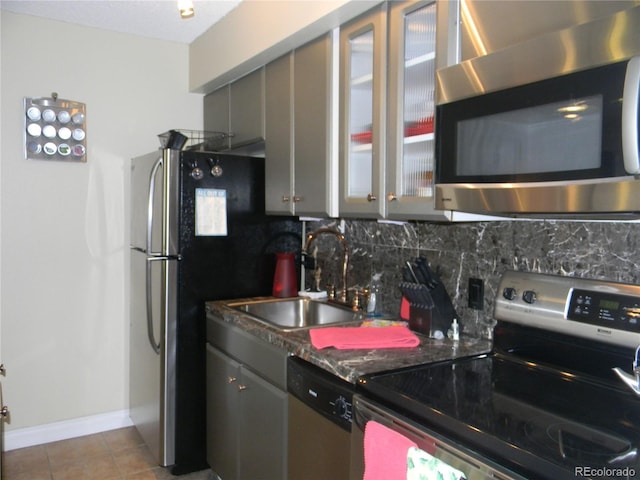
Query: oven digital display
point(621, 312)
point(609, 304)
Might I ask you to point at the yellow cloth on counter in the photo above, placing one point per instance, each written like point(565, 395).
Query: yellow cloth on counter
point(377, 322)
point(423, 466)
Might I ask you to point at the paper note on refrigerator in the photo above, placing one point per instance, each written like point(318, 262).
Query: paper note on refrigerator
point(211, 212)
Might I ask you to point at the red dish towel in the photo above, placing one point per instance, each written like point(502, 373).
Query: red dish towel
point(345, 338)
point(385, 453)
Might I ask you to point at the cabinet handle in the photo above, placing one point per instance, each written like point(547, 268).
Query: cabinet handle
point(391, 196)
point(371, 198)
point(4, 412)
point(3, 370)
point(231, 379)
point(242, 388)
point(285, 198)
point(297, 198)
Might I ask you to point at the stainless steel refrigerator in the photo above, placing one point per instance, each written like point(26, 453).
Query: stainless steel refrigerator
point(198, 233)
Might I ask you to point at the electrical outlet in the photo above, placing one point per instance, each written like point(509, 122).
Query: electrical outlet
point(476, 293)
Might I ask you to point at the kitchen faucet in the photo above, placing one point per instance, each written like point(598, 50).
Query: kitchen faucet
point(345, 255)
point(632, 381)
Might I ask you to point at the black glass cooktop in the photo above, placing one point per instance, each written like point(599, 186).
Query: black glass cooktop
point(540, 422)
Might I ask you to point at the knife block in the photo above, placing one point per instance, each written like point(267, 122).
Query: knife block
point(420, 319)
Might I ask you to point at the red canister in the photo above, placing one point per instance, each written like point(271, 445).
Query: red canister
point(285, 280)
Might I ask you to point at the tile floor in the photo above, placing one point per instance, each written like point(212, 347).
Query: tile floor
point(114, 455)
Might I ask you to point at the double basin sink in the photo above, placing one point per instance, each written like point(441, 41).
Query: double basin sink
point(298, 313)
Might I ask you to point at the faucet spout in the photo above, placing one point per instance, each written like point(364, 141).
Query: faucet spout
point(630, 380)
point(345, 253)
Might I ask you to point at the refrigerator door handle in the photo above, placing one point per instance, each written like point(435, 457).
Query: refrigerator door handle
point(152, 255)
point(150, 334)
point(152, 192)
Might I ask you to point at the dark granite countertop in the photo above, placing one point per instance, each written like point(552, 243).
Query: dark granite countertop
point(351, 364)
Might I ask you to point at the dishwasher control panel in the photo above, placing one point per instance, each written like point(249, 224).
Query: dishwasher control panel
point(326, 394)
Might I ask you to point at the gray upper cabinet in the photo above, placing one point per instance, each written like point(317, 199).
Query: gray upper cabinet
point(279, 168)
point(410, 156)
point(316, 126)
point(347, 119)
point(216, 110)
point(387, 142)
point(363, 73)
point(238, 108)
point(301, 160)
point(246, 112)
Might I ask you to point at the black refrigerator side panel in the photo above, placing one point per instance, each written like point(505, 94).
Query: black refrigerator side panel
point(239, 264)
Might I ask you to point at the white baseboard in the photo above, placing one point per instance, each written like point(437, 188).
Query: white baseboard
point(77, 427)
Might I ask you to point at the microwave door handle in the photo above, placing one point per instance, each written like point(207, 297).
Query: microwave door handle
point(630, 108)
point(152, 193)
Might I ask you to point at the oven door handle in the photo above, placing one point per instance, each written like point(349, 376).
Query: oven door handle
point(365, 412)
point(625, 457)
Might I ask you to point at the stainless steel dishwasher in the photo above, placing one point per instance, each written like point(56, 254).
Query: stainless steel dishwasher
point(319, 423)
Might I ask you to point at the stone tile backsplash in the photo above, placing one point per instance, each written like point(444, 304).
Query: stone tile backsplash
point(482, 250)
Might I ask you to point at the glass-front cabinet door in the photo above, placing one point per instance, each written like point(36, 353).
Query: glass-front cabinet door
point(362, 120)
point(411, 106)
point(387, 142)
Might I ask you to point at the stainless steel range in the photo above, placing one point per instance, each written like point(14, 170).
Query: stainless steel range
point(556, 399)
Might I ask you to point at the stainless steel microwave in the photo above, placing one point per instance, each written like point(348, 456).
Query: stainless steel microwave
point(548, 127)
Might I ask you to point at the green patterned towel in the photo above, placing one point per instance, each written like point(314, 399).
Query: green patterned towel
point(422, 466)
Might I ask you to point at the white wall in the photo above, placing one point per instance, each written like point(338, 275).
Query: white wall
point(64, 226)
point(256, 32)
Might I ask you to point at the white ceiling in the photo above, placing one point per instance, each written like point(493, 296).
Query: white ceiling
point(148, 18)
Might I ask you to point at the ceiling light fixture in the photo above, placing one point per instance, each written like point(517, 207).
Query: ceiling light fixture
point(186, 8)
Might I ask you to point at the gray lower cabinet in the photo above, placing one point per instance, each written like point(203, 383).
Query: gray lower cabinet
point(246, 413)
point(222, 414)
point(246, 421)
point(263, 429)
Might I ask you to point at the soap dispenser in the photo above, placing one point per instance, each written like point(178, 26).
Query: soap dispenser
point(455, 330)
point(374, 302)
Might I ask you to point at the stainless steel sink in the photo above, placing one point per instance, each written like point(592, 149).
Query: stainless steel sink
point(298, 313)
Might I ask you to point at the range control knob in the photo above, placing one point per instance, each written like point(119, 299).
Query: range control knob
point(509, 293)
point(529, 296)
